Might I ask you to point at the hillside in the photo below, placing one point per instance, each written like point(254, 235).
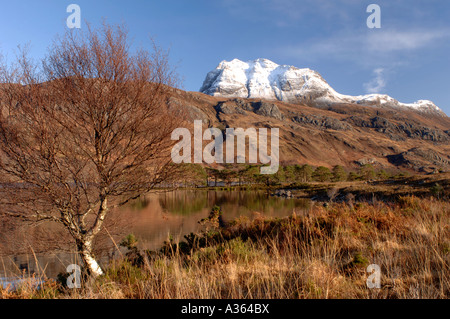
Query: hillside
point(350, 135)
point(345, 134)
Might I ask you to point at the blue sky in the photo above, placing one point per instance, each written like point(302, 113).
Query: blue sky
point(407, 58)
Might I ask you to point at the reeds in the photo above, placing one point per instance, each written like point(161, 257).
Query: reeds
point(323, 253)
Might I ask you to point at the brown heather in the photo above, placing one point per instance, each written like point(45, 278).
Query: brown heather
point(322, 253)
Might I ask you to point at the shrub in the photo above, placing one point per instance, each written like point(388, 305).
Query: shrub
point(332, 192)
point(339, 173)
point(322, 174)
point(437, 189)
point(367, 172)
point(352, 176)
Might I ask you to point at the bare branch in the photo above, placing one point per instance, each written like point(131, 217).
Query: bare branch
point(86, 132)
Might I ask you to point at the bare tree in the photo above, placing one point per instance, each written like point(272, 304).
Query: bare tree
point(83, 132)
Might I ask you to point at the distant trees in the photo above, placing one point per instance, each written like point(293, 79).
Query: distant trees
point(192, 174)
point(353, 176)
point(367, 172)
point(339, 173)
point(228, 175)
point(211, 175)
point(304, 172)
point(244, 174)
point(86, 131)
point(322, 174)
point(250, 174)
point(382, 174)
point(295, 173)
point(289, 173)
point(239, 174)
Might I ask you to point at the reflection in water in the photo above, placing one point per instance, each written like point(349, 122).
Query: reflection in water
point(155, 217)
point(233, 203)
point(177, 213)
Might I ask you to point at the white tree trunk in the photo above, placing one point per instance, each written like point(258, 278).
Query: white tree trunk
point(85, 242)
point(92, 266)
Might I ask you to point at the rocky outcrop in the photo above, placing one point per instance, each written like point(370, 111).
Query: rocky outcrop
point(284, 193)
point(418, 157)
point(322, 122)
point(239, 106)
point(267, 109)
point(366, 161)
point(400, 131)
point(425, 133)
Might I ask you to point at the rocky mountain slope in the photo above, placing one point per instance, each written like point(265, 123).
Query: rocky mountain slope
point(265, 79)
point(347, 134)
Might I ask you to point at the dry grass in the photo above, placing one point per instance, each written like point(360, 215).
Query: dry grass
point(321, 254)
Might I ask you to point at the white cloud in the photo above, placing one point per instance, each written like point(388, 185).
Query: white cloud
point(378, 83)
point(390, 41)
point(368, 48)
point(283, 12)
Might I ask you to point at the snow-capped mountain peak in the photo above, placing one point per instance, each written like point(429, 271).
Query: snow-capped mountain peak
point(262, 78)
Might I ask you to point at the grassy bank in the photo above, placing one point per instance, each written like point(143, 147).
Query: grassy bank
point(323, 253)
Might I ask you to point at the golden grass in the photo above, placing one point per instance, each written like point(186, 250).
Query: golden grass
point(323, 253)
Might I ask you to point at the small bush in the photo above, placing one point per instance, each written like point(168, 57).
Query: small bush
point(437, 189)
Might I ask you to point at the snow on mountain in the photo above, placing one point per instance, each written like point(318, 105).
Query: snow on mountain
point(265, 79)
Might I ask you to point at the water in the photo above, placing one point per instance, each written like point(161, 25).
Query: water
point(14, 283)
point(177, 213)
point(153, 219)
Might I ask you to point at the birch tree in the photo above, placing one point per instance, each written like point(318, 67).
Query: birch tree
point(83, 131)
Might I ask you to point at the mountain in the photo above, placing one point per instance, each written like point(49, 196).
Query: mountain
point(350, 135)
point(265, 79)
point(347, 134)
